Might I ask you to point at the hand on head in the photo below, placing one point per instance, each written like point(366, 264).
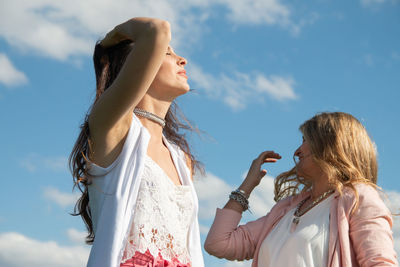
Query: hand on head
point(129, 30)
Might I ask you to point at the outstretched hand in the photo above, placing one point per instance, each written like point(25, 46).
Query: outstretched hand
point(255, 173)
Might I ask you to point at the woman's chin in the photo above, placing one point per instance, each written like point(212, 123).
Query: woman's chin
point(183, 90)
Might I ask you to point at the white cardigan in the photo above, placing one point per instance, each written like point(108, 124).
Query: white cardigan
point(113, 195)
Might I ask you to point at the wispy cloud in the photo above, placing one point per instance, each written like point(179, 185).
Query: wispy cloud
point(34, 162)
point(64, 29)
point(204, 229)
point(277, 87)
point(36, 253)
point(212, 192)
point(372, 2)
point(395, 55)
point(258, 12)
point(377, 3)
point(9, 74)
point(76, 236)
point(60, 198)
point(369, 60)
point(239, 89)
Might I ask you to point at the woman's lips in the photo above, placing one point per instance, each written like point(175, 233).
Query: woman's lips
point(183, 73)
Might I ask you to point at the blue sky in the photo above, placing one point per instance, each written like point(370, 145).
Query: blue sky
point(259, 69)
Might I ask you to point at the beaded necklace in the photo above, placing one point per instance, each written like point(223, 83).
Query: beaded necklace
point(297, 214)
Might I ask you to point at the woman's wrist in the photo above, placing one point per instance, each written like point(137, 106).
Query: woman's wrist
point(246, 188)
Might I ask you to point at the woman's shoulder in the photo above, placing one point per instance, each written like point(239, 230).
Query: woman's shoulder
point(365, 197)
point(127, 147)
point(362, 190)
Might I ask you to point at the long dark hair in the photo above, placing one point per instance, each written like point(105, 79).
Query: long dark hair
point(107, 64)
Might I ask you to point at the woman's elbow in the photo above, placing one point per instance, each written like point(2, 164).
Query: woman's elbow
point(222, 250)
point(212, 247)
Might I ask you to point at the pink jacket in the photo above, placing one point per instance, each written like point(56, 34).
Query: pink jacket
point(363, 238)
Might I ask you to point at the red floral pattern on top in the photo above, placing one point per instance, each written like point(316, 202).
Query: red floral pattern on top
point(148, 260)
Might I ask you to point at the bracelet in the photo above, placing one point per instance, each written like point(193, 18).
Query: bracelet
point(241, 192)
point(241, 198)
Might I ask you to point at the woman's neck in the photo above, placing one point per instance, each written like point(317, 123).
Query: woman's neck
point(320, 186)
point(156, 107)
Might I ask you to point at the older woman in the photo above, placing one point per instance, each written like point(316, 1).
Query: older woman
point(328, 211)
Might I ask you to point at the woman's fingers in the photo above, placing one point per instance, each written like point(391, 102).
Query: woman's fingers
point(255, 173)
point(132, 28)
point(270, 160)
point(268, 156)
point(115, 36)
point(264, 157)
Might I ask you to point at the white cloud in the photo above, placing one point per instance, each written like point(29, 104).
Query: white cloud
point(10, 75)
point(204, 229)
point(17, 250)
point(40, 26)
point(262, 199)
point(257, 12)
point(239, 89)
point(76, 236)
point(63, 29)
point(212, 192)
point(34, 162)
point(277, 87)
point(60, 198)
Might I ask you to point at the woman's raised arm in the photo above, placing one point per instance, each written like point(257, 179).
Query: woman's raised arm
point(110, 117)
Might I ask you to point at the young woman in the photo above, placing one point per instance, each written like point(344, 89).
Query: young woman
point(130, 161)
point(328, 211)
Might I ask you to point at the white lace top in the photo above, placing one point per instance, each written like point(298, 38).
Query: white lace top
point(162, 217)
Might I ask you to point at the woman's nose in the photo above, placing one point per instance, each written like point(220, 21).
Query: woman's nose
point(182, 61)
point(297, 153)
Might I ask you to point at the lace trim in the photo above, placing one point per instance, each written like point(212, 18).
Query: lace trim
point(163, 214)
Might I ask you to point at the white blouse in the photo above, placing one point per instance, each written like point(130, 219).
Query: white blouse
point(113, 195)
point(306, 246)
point(163, 214)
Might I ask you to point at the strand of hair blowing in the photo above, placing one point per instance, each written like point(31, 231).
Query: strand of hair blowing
point(107, 64)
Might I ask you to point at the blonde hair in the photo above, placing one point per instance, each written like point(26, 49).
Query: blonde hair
point(342, 148)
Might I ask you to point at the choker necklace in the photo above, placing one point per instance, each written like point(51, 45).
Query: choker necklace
point(148, 115)
point(297, 214)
